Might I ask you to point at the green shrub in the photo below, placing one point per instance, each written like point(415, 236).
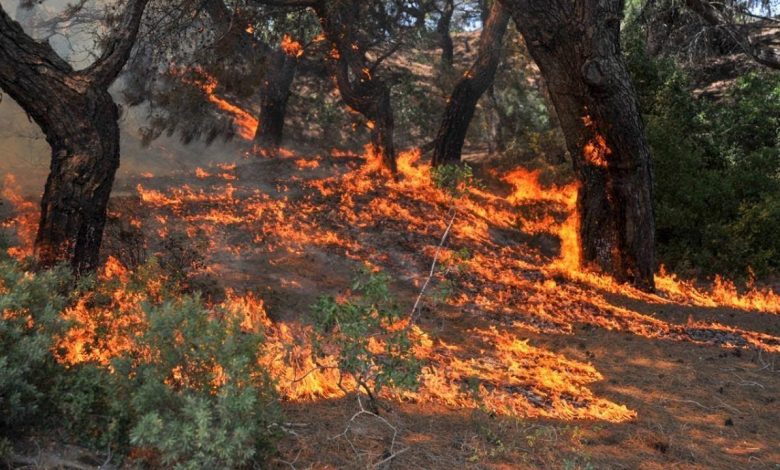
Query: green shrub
point(30, 307)
point(349, 326)
point(455, 180)
point(717, 167)
point(189, 394)
point(201, 399)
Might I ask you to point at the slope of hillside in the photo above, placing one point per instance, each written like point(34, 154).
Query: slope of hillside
point(530, 363)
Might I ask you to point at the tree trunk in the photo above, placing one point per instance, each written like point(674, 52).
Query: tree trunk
point(463, 101)
point(359, 86)
point(498, 123)
point(274, 93)
point(577, 48)
point(80, 121)
point(85, 157)
point(443, 30)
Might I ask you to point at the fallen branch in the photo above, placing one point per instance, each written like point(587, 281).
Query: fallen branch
point(364, 411)
point(391, 457)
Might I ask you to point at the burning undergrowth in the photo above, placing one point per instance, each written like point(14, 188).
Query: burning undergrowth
point(293, 227)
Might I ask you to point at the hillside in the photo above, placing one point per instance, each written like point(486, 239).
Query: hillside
point(528, 362)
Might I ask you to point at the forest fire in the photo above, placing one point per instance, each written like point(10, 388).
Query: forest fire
point(595, 150)
point(25, 220)
point(291, 47)
point(203, 284)
point(246, 124)
point(516, 378)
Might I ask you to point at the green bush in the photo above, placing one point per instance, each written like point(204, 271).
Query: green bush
point(189, 394)
point(30, 307)
point(455, 180)
point(348, 326)
point(717, 167)
point(201, 399)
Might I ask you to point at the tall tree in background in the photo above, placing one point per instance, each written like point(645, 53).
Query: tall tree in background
point(80, 120)
point(443, 26)
point(477, 79)
point(359, 84)
point(220, 69)
point(280, 64)
point(577, 48)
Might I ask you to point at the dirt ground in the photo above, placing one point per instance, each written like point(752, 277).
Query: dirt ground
point(688, 386)
point(529, 365)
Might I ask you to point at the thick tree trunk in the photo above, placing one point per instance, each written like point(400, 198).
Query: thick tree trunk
point(443, 30)
point(577, 48)
point(359, 86)
point(274, 94)
point(463, 101)
point(80, 121)
point(85, 157)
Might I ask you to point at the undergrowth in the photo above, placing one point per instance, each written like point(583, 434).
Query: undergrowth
point(189, 394)
point(717, 167)
point(367, 333)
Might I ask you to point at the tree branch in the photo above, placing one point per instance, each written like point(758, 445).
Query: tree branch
point(105, 70)
point(16, 44)
point(716, 17)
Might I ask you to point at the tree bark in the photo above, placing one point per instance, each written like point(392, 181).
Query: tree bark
point(80, 121)
point(359, 86)
point(274, 94)
point(463, 101)
point(443, 30)
point(577, 48)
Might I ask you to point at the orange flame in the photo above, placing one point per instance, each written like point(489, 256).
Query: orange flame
point(291, 47)
point(246, 123)
point(25, 220)
point(355, 213)
point(595, 150)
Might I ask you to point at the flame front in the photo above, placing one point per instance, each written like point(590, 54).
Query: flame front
point(25, 222)
point(297, 236)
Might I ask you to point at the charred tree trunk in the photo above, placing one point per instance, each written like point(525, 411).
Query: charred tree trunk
point(80, 121)
point(577, 48)
point(280, 66)
point(85, 157)
point(359, 86)
point(443, 30)
point(463, 101)
point(274, 94)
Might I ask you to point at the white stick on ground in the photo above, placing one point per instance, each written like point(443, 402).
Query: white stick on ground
point(433, 267)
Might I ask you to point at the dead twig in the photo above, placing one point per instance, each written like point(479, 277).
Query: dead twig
point(391, 457)
point(290, 464)
point(364, 411)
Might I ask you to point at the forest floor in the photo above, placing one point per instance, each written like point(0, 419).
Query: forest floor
point(529, 363)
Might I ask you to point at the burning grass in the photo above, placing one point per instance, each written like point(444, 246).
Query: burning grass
point(290, 231)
